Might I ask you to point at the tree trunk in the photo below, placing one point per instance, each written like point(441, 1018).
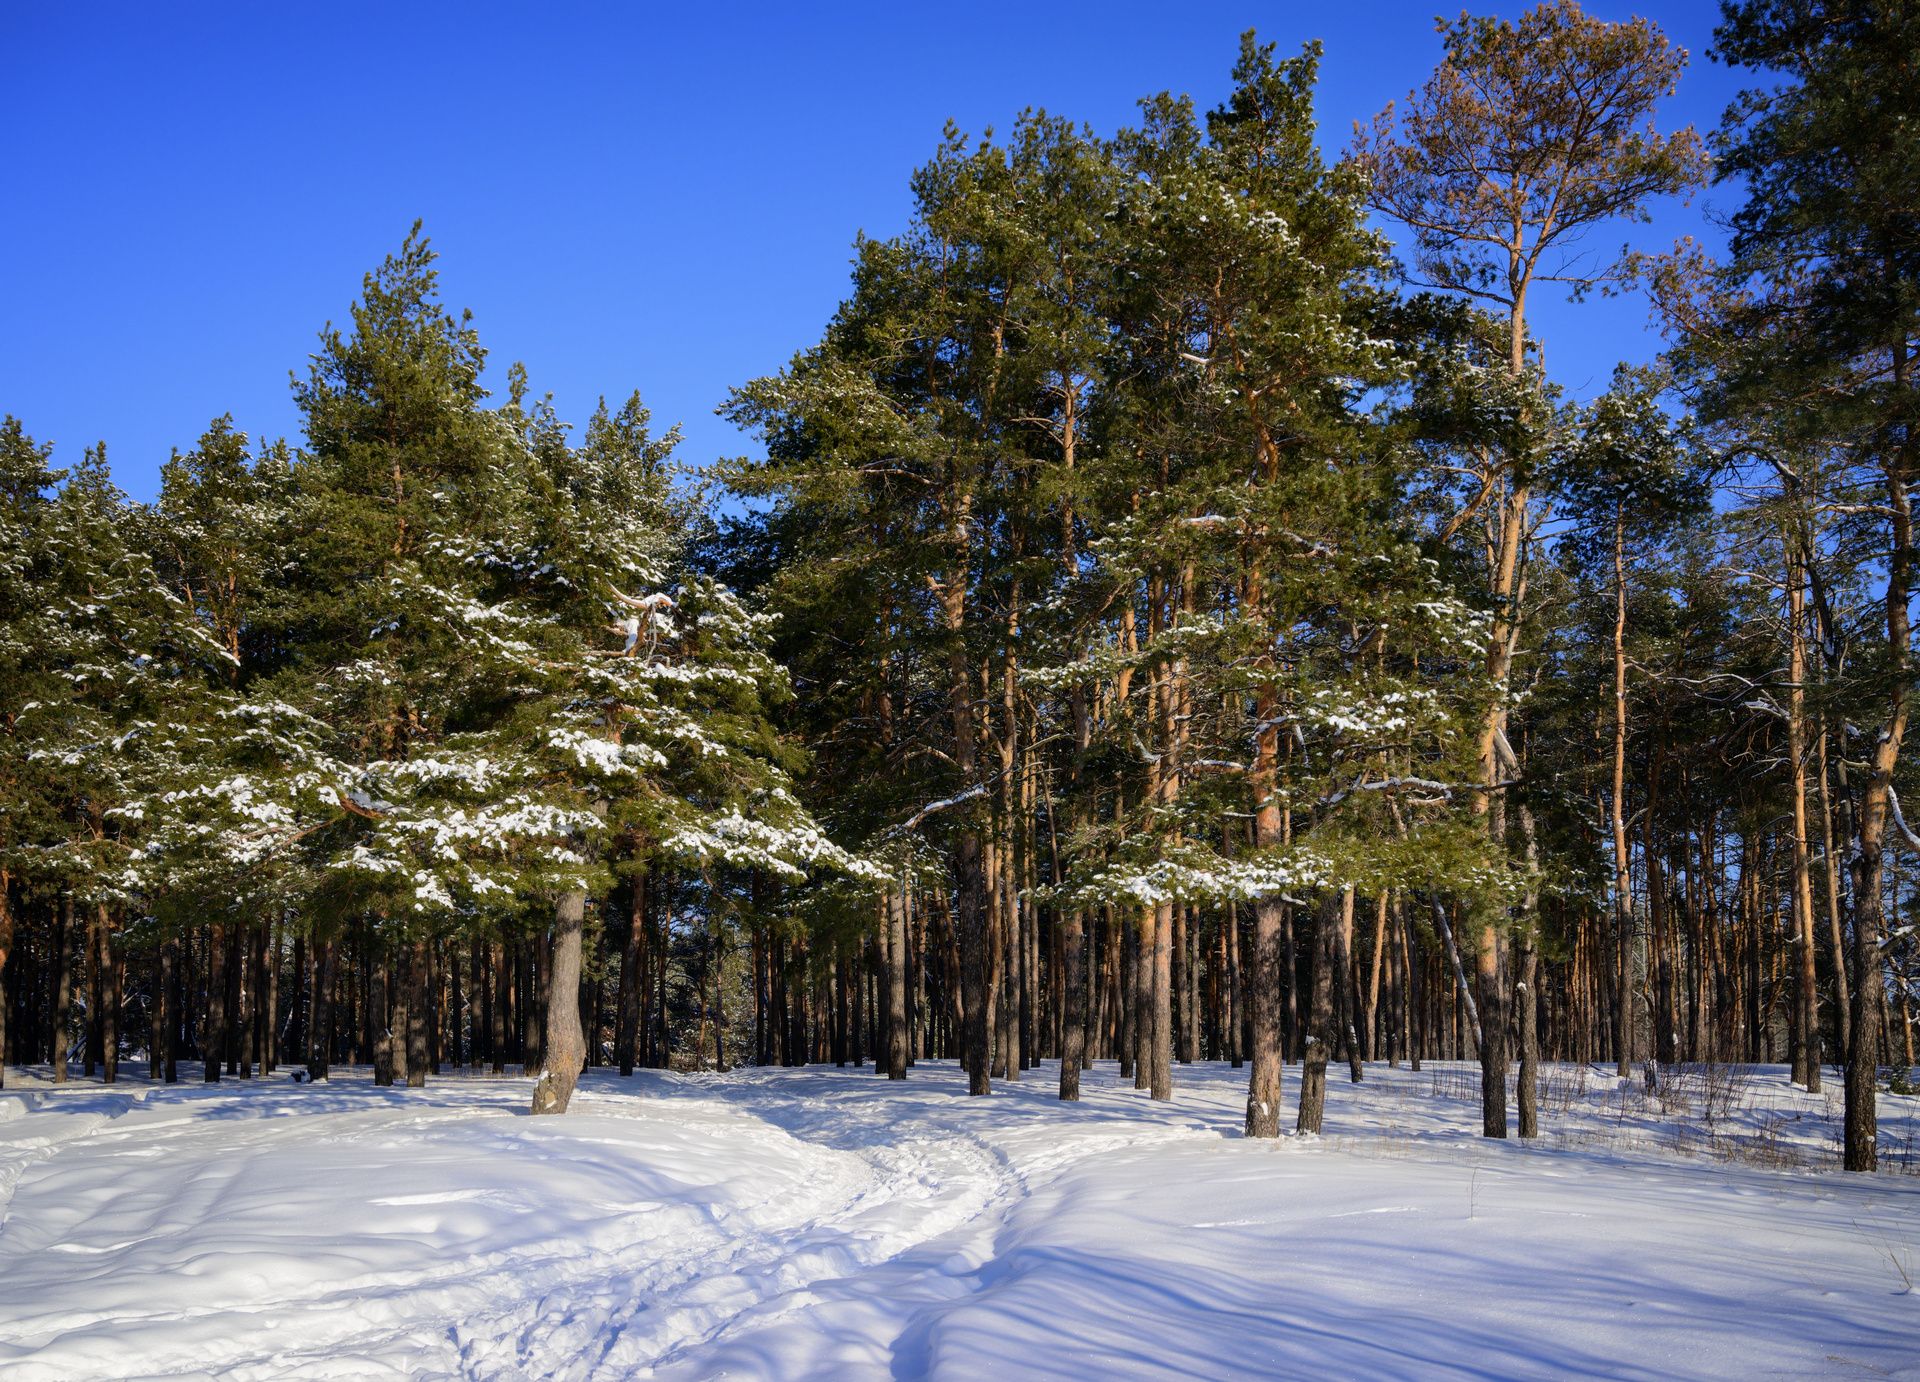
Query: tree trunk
point(1836, 938)
point(380, 1014)
point(1445, 927)
point(539, 991)
point(565, 1047)
point(1528, 1005)
point(419, 1015)
point(1233, 1013)
point(320, 1024)
point(972, 921)
point(1493, 1036)
point(1412, 1008)
point(93, 1055)
point(400, 994)
point(1371, 1024)
point(6, 948)
point(1874, 816)
point(267, 1001)
point(719, 1010)
point(1348, 980)
point(1317, 1047)
point(1142, 977)
point(1178, 983)
point(1160, 1085)
point(1806, 1057)
point(62, 988)
point(502, 985)
point(1073, 1035)
point(633, 969)
point(165, 1046)
point(213, 1039)
point(112, 975)
point(896, 977)
point(1526, 996)
point(1263, 985)
point(1660, 945)
point(1617, 812)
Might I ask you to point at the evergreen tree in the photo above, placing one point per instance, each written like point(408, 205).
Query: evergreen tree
point(1812, 323)
point(1526, 137)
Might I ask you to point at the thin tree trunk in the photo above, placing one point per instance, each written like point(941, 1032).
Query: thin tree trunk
point(1348, 979)
point(167, 1006)
point(1233, 1008)
point(1445, 927)
point(112, 975)
point(1875, 816)
point(1370, 1029)
point(320, 1024)
point(502, 984)
point(62, 988)
point(419, 1016)
point(1836, 938)
point(718, 960)
point(213, 1038)
point(1806, 1056)
point(1528, 1007)
point(896, 976)
point(1142, 976)
point(6, 949)
point(633, 969)
point(379, 1013)
point(94, 1056)
point(1617, 811)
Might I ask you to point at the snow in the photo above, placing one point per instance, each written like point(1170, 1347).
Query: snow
point(823, 1223)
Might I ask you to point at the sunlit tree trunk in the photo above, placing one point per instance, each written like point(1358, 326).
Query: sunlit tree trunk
point(565, 1048)
point(1806, 1056)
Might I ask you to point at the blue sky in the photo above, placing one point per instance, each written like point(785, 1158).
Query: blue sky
point(627, 196)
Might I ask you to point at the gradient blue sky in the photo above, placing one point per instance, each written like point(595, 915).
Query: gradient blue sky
point(626, 196)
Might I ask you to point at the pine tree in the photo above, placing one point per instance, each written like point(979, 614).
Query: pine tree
point(1813, 325)
point(1527, 136)
point(1633, 478)
point(26, 565)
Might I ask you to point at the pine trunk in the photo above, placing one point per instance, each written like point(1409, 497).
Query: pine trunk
point(896, 980)
point(320, 1023)
point(1617, 813)
point(1073, 1032)
point(113, 968)
point(565, 1046)
point(419, 1014)
point(1318, 1045)
point(1806, 1056)
point(379, 1015)
point(62, 989)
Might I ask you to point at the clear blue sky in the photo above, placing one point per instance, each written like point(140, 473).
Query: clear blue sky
point(627, 196)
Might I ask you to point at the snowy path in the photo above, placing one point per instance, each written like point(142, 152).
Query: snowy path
point(828, 1223)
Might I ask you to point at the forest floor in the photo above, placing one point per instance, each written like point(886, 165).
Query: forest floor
point(827, 1223)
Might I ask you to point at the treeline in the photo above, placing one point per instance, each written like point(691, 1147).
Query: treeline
point(1233, 638)
point(358, 722)
point(1210, 635)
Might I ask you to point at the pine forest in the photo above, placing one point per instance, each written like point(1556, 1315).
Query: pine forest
point(1169, 634)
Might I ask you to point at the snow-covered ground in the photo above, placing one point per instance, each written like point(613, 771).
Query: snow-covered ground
point(796, 1223)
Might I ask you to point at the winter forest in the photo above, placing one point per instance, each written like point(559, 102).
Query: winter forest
point(1173, 642)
